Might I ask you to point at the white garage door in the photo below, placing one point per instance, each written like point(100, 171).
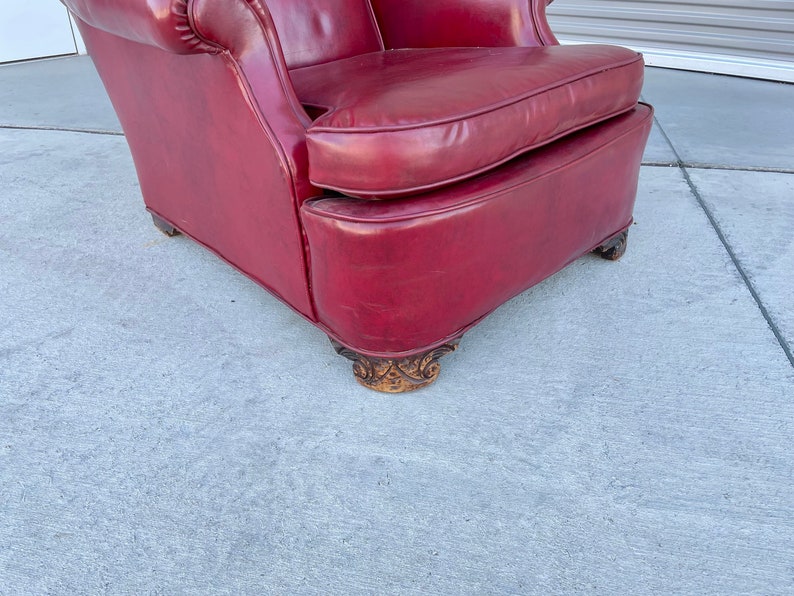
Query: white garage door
point(754, 39)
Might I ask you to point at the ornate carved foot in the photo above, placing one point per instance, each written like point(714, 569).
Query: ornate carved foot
point(165, 227)
point(614, 248)
point(396, 375)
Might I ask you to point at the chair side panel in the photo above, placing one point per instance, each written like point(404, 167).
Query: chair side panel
point(204, 161)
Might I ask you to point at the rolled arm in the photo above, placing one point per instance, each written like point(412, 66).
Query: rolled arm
point(244, 28)
point(463, 23)
point(160, 23)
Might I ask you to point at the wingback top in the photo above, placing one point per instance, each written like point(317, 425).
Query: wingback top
point(316, 31)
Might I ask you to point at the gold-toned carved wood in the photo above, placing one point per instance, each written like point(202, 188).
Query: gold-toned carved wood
point(397, 375)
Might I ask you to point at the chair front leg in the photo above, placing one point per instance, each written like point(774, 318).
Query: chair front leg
point(397, 375)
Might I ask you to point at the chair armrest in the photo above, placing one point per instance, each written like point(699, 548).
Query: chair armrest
point(246, 30)
point(160, 23)
point(463, 23)
point(243, 28)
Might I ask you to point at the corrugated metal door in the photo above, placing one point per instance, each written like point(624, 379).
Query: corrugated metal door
point(747, 38)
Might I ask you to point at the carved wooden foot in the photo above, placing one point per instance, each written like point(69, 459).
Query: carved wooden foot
point(165, 227)
point(614, 248)
point(397, 375)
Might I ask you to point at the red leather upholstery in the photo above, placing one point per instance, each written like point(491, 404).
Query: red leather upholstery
point(161, 23)
point(406, 121)
point(392, 277)
point(179, 114)
point(463, 23)
point(223, 148)
point(315, 31)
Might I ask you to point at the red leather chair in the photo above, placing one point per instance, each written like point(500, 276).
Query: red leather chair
point(393, 170)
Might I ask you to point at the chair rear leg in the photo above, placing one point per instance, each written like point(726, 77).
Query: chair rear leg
point(165, 227)
point(614, 248)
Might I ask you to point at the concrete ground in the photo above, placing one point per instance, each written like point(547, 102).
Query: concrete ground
point(167, 427)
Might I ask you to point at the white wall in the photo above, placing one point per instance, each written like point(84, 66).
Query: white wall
point(36, 29)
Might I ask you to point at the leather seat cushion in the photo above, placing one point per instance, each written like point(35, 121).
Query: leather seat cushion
point(393, 123)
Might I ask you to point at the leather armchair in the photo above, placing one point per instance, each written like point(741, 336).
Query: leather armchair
point(393, 170)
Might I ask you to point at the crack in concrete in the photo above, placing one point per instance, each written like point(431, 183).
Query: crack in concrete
point(89, 131)
point(684, 166)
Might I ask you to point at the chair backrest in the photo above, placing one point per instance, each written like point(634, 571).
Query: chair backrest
point(317, 31)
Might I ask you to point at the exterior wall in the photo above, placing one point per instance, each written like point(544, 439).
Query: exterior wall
point(36, 29)
point(754, 39)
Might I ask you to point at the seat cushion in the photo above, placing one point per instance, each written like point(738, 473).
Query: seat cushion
point(393, 123)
